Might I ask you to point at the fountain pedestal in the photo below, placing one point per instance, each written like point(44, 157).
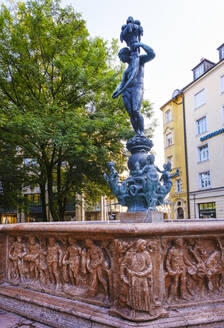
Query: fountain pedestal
point(149, 216)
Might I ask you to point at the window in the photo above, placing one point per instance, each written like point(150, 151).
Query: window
point(222, 84)
point(207, 210)
point(169, 139)
point(178, 185)
point(168, 116)
point(204, 179)
point(203, 154)
point(201, 125)
point(199, 98)
point(222, 53)
point(199, 71)
point(33, 198)
point(170, 159)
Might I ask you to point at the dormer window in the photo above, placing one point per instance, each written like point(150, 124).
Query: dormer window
point(199, 71)
point(221, 52)
point(201, 68)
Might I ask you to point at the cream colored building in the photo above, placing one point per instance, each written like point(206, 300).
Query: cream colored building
point(204, 108)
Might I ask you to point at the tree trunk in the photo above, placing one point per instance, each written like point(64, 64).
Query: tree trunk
point(51, 198)
point(43, 202)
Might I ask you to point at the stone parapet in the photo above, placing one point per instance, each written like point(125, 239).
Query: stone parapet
point(167, 274)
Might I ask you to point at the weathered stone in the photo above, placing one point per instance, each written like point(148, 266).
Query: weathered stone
point(114, 275)
point(150, 216)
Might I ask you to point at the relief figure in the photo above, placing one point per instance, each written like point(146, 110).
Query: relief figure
point(72, 259)
point(17, 252)
point(44, 276)
point(96, 265)
point(32, 257)
point(54, 261)
point(135, 270)
point(176, 265)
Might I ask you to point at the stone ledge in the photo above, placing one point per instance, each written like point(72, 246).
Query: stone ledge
point(131, 229)
point(63, 313)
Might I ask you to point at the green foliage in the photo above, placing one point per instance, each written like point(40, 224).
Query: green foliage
point(55, 86)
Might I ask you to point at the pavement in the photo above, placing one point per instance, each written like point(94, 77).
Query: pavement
point(11, 320)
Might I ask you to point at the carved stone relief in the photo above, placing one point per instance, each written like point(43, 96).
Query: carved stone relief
point(193, 269)
point(2, 257)
point(139, 297)
point(60, 265)
point(120, 274)
point(135, 278)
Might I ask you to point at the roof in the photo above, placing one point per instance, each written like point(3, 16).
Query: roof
point(202, 61)
point(220, 46)
point(192, 82)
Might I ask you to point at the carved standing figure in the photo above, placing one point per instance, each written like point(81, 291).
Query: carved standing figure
point(54, 261)
point(32, 257)
point(96, 265)
point(132, 84)
point(135, 270)
point(176, 264)
point(16, 254)
point(44, 276)
point(72, 258)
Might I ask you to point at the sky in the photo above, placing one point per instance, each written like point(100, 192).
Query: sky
point(181, 32)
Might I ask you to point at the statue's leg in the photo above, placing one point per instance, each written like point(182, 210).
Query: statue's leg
point(137, 97)
point(127, 101)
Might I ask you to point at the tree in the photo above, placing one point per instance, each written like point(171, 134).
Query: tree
point(56, 107)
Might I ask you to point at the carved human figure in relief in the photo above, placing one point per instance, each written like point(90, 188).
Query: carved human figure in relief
point(176, 265)
point(135, 272)
point(209, 265)
point(132, 84)
point(16, 254)
point(32, 257)
point(54, 261)
point(72, 258)
point(44, 276)
point(192, 280)
point(96, 265)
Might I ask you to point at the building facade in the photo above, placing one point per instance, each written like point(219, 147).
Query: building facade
point(204, 107)
point(193, 123)
point(174, 148)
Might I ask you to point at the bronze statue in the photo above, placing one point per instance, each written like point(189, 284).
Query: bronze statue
point(132, 84)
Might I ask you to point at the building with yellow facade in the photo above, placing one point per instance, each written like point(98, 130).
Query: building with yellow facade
point(176, 153)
